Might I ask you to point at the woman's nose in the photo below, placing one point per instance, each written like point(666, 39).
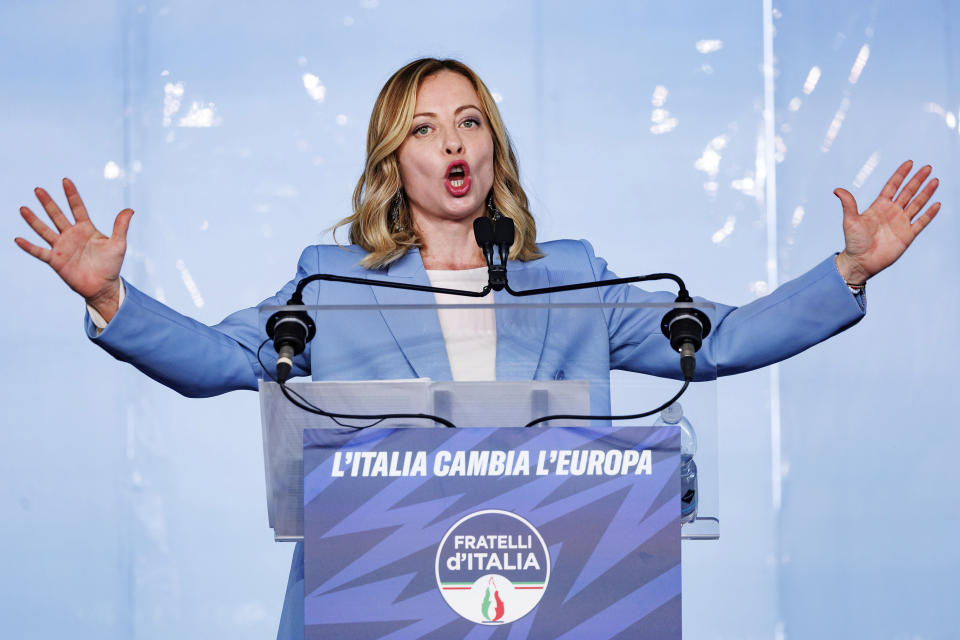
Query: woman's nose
point(453, 145)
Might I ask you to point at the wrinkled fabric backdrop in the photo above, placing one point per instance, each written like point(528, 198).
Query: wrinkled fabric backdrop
point(674, 136)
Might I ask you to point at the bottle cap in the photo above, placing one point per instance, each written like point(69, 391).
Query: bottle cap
point(672, 414)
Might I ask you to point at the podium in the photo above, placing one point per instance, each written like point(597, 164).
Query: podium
point(570, 528)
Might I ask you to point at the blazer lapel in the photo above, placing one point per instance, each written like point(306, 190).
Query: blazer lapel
point(521, 332)
point(417, 331)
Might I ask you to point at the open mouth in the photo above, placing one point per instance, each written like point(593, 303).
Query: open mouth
point(458, 178)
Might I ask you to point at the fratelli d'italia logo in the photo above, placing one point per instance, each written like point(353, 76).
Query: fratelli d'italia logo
point(492, 567)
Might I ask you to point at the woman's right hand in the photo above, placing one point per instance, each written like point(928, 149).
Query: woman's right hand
point(88, 261)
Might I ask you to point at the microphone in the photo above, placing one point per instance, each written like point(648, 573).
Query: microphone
point(686, 328)
point(503, 236)
point(483, 232)
point(487, 236)
point(290, 331)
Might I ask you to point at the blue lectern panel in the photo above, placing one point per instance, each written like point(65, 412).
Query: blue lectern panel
point(492, 533)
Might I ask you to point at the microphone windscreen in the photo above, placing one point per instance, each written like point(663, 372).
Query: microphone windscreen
point(505, 232)
point(483, 231)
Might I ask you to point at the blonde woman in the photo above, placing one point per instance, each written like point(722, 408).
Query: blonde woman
point(438, 157)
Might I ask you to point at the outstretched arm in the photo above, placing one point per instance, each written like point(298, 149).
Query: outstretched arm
point(799, 313)
point(179, 352)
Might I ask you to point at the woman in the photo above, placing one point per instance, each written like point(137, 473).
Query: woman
point(438, 157)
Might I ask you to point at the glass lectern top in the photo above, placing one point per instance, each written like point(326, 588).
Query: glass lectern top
point(489, 364)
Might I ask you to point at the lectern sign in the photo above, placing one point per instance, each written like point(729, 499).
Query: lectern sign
point(532, 533)
point(492, 567)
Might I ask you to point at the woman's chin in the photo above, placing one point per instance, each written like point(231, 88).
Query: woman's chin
point(455, 210)
point(466, 209)
point(468, 203)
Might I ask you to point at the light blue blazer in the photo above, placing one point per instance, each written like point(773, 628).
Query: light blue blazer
point(532, 344)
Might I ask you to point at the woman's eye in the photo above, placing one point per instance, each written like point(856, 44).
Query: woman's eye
point(422, 130)
point(470, 123)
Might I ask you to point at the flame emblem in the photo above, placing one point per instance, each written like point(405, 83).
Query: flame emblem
point(487, 601)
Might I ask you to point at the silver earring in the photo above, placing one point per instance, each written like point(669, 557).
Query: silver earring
point(395, 224)
point(494, 212)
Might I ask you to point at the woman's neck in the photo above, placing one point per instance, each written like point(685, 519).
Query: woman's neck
point(449, 245)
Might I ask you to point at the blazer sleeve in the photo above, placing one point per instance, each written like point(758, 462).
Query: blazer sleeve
point(190, 357)
point(797, 315)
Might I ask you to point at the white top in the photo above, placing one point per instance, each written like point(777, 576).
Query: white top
point(470, 335)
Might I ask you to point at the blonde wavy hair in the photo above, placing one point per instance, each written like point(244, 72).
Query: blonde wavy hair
point(374, 195)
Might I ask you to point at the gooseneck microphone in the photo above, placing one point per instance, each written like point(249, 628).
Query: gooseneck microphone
point(290, 331)
point(503, 236)
point(489, 236)
point(483, 233)
point(686, 327)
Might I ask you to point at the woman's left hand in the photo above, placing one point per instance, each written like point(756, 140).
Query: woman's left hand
point(880, 235)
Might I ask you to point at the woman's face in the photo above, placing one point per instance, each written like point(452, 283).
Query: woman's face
point(446, 161)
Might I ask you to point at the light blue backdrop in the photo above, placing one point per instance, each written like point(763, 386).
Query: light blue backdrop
point(673, 135)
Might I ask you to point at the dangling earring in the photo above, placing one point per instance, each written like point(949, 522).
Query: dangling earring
point(396, 225)
point(494, 212)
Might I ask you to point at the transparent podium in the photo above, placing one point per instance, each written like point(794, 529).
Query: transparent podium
point(485, 403)
point(455, 465)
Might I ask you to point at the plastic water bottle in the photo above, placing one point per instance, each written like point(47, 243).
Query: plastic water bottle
point(688, 468)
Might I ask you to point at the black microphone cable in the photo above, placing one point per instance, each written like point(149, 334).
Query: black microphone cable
point(685, 326)
point(299, 401)
point(306, 405)
point(632, 416)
